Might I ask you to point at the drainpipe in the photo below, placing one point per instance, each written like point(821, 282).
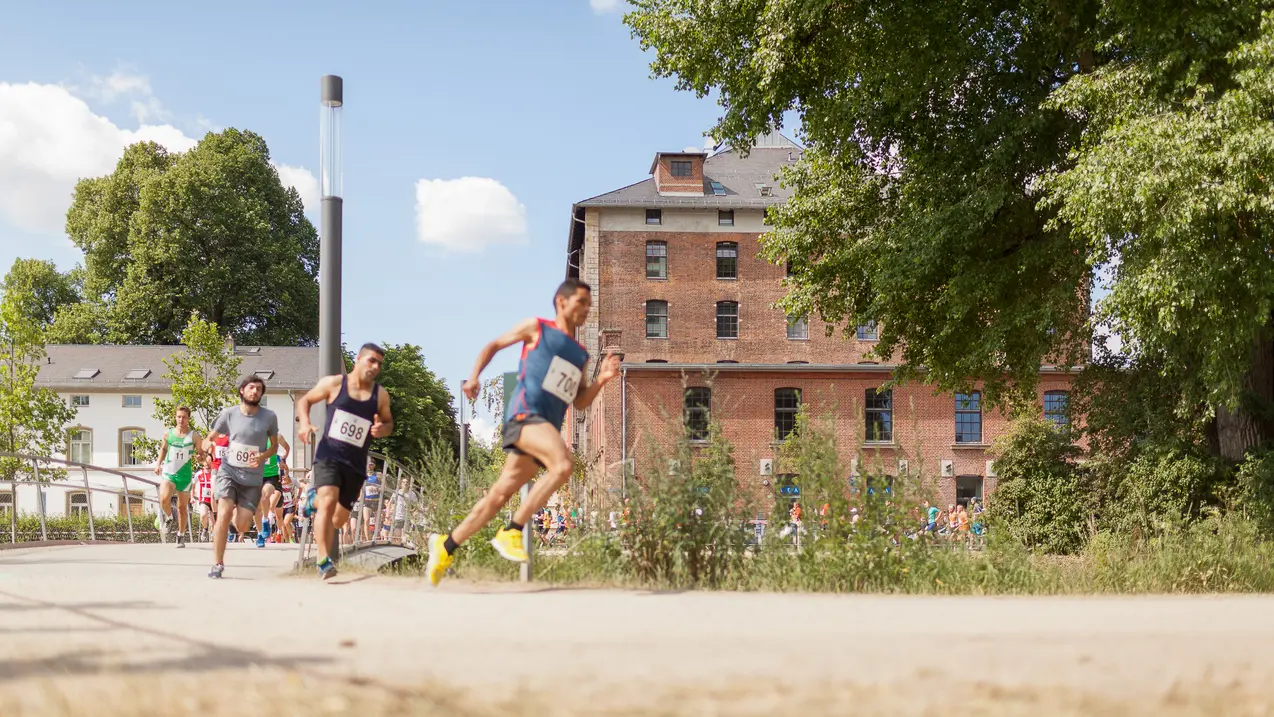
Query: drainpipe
point(623, 428)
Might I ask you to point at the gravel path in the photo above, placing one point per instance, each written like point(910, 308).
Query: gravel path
point(121, 629)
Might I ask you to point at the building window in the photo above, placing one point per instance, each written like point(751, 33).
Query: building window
point(727, 260)
point(134, 502)
point(79, 401)
point(867, 332)
point(787, 403)
point(727, 319)
point(128, 446)
point(718, 189)
point(698, 412)
point(798, 328)
point(6, 503)
point(656, 319)
point(880, 415)
point(682, 168)
point(81, 446)
point(1055, 407)
point(132, 401)
point(725, 217)
point(76, 503)
point(968, 487)
point(654, 216)
point(656, 260)
point(968, 417)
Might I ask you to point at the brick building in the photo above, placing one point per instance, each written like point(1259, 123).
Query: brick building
point(680, 291)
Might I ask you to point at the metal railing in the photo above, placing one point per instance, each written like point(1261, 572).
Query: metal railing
point(389, 497)
point(33, 480)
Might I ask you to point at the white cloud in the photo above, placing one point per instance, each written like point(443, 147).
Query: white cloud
point(50, 139)
point(604, 6)
point(304, 181)
point(468, 214)
point(482, 428)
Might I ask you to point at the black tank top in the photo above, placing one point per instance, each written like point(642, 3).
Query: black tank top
point(347, 431)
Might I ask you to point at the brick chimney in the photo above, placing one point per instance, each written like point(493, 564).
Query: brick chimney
point(679, 174)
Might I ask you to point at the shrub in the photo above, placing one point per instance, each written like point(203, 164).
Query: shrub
point(1039, 496)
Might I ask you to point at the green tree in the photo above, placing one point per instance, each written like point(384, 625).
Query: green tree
point(1040, 497)
point(44, 289)
point(424, 416)
point(211, 230)
point(970, 162)
point(33, 420)
point(203, 378)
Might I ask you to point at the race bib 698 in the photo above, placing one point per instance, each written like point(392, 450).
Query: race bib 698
point(348, 428)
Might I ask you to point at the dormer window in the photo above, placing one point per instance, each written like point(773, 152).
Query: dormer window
point(764, 190)
point(682, 168)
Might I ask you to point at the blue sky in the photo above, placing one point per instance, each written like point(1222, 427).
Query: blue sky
point(541, 103)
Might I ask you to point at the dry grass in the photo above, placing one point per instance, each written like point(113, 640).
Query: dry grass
point(234, 693)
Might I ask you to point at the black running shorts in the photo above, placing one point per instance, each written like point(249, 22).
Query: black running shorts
point(347, 478)
point(513, 431)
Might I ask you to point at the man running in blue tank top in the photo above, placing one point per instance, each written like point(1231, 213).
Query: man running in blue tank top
point(550, 380)
point(357, 412)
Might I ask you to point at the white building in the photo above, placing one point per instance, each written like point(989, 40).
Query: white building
point(113, 389)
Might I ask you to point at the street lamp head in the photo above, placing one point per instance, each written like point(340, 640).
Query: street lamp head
point(332, 91)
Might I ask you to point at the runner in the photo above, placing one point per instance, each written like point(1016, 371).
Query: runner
point(287, 509)
point(357, 411)
point(203, 500)
point(271, 488)
point(176, 455)
point(237, 489)
point(550, 379)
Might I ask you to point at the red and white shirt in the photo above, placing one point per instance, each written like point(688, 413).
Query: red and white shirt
point(203, 485)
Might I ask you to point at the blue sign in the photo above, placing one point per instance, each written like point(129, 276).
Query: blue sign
point(790, 490)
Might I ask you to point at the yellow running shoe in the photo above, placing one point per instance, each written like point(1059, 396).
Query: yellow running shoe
point(508, 543)
point(439, 559)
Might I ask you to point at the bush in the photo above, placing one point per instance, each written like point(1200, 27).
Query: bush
point(76, 527)
point(1039, 498)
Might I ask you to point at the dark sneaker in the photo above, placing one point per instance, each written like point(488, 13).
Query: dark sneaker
point(181, 540)
point(217, 570)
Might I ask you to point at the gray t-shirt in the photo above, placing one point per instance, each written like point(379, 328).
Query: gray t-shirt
point(248, 436)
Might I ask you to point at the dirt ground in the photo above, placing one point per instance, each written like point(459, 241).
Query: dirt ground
point(139, 630)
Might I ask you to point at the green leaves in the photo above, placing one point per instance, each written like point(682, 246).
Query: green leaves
point(211, 230)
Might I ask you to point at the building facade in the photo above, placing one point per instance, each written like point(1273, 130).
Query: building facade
point(113, 390)
point(681, 292)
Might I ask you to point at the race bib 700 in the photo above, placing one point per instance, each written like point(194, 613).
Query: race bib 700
point(562, 379)
point(348, 428)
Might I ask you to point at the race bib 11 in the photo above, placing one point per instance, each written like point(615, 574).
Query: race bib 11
point(562, 379)
point(176, 458)
point(348, 428)
point(241, 455)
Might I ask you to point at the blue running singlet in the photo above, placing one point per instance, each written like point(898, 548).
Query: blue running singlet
point(550, 374)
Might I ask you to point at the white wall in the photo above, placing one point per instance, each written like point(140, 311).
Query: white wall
point(105, 416)
point(629, 219)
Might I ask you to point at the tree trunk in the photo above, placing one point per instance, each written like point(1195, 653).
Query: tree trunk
point(1248, 426)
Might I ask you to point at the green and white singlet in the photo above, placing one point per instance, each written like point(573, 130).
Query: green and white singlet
point(177, 466)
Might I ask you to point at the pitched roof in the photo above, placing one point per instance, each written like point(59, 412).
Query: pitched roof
point(739, 175)
point(294, 367)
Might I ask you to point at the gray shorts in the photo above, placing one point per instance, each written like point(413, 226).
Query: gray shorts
point(244, 496)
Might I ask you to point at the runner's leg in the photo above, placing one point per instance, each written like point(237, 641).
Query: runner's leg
point(544, 442)
point(518, 469)
point(325, 523)
point(221, 531)
point(166, 488)
point(183, 511)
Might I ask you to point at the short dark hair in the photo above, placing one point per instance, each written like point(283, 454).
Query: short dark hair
point(568, 288)
point(249, 380)
point(370, 347)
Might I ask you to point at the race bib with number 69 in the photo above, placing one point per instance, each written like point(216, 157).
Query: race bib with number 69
point(348, 428)
point(241, 455)
point(562, 379)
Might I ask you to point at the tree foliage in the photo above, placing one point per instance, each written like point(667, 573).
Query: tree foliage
point(211, 230)
point(33, 420)
point(424, 416)
point(42, 288)
point(1039, 496)
point(970, 163)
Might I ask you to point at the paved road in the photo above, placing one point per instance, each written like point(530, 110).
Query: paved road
point(92, 625)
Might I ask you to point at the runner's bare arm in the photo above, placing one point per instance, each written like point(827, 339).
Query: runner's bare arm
point(609, 370)
point(524, 332)
point(268, 453)
point(163, 453)
point(321, 393)
point(383, 425)
point(283, 444)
